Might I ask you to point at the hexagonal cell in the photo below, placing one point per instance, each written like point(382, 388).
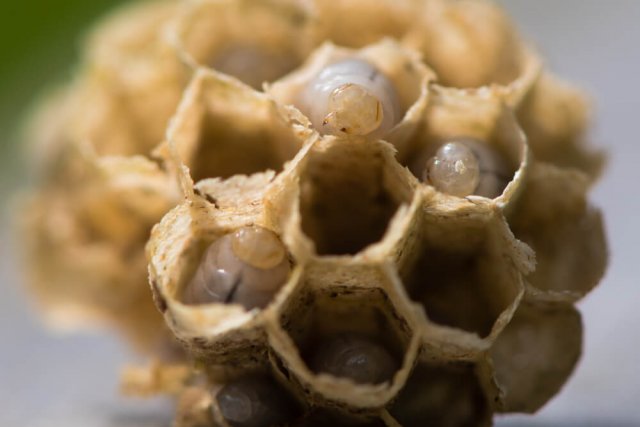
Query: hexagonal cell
point(254, 41)
point(536, 353)
point(258, 399)
point(132, 80)
point(321, 341)
point(85, 246)
point(377, 92)
point(346, 336)
point(246, 266)
point(470, 145)
point(554, 217)
point(128, 33)
point(357, 23)
point(248, 396)
point(469, 43)
point(464, 267)
point(215, 137)
point(555, 116)
point(216, 267)
point(349, 193)
point(254, 399)
point(445, 394)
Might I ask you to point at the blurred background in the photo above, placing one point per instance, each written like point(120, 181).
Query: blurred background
point(72, 380)
point(39, 44)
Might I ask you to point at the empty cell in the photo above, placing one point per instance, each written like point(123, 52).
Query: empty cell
point(349, 192)
point(447, 395)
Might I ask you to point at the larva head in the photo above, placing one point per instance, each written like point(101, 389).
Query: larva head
point(258, 247)
point(465, 166)
point(453, 170)
point(351, 97)
point(246, 267)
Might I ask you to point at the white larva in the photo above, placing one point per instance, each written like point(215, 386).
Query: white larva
point(464, 166)
point(246, 267)
point(255, 401)
point(351, 97)
point(356, 357)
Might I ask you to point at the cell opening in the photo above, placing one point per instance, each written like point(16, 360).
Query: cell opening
point(555, 219)
point(463, 166)
point(255, 399)
point(445, 395)
point(253, 64)
point(378, 92)
point(348, 195)
point(255, 42)
point(466, 286)
point(536, 335)
point(484, 48)
point(247, 266)
point(472, 145)
point(328, 327)
point(224, 150)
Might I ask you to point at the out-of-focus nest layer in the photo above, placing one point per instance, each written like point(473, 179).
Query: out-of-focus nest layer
point(475, 295)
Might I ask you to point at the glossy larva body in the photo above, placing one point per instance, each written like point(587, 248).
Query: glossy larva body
point(246, 267)
point(353, 356)
point(351, 97)
point(465, 166)
point(255, 401)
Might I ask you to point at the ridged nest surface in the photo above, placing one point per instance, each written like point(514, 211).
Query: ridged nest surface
point(348, 212)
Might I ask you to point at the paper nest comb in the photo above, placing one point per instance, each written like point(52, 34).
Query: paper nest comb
point(194, 118)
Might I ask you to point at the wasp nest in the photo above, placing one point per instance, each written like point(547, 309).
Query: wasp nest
point(364, 212)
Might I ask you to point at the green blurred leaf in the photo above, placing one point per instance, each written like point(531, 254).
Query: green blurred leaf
point(39, 42)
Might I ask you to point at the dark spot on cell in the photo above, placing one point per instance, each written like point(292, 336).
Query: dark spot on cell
point(158, 299)
point(208, 197)
point(199, 341)
point(212, 200)
point(409, 67)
